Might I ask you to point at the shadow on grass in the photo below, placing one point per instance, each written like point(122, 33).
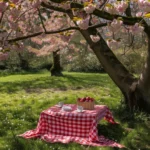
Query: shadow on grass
point(33, 71)
point(137, 128)
point(37, 144)
point(111, 131)
point(61, 83)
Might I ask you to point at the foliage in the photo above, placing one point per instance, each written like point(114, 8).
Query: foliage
point(26, 19)
point(78, 63)
point(133, 60)
point(88, 63)
point(24, 96)
point(132, 64)
point(16, 62)
point(79, 57)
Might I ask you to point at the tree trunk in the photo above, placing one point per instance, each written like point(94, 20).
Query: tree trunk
point(136, 93)
point(56, 68)
point(23, 63)
point(143, 86)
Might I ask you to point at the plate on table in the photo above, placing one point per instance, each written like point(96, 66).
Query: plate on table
point(79, 111)
point(59, 106)
point(66, 108)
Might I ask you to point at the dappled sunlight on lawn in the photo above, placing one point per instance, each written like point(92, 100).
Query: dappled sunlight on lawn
point(75, 81)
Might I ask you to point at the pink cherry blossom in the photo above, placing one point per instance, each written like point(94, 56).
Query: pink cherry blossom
point(98, 4)
point(95, 20)
point(71, 46)
point(115, 25)
point(111, 10)
point(83, 24)
point(14, 14)
point(3, 56)
point(90, 8)
point(36, 3)
point(144, 5)
point(83, 42)
point(75, 12)
point(136, 28)
point(118, 7)
point(66, 6)
point(13, 25)
point(65, 38)
point(69, 57)
point(113, 44)
point(15, 1)
point(121, 6)
point(95, 38)
point(139, 14)
point(3, 6)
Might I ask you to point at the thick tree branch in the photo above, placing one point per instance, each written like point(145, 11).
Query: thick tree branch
point(99, 13)
point(1, 17)
point(62, 30)
point(41, 20)
point(39, 33)
point(24, 37)
point(53, 32)
point(108, 16)
point(58, 1)
point(98, 25)
point(53, 7)
point(104, 4)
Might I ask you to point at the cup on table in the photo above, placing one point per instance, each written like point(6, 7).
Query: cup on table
point(60, 104)
point(79, 108)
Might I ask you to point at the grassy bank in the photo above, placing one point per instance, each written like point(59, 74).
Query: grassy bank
point(23, 97)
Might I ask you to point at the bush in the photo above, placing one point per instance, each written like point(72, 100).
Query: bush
point(25, 61)
point(87, 63)
point(133, 61)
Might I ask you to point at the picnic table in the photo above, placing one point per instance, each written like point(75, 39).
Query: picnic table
point(56, 125)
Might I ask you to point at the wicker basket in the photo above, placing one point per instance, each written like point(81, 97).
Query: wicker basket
point(86, 105)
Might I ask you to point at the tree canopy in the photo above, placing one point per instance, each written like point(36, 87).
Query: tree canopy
point(99, 21)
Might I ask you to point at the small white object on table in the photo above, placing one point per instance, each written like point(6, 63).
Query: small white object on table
point(66, 108)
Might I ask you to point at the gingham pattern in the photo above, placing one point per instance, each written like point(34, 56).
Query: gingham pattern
point(56, 125)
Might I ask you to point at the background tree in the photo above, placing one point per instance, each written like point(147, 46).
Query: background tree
point(54, 43)
point(51, 45)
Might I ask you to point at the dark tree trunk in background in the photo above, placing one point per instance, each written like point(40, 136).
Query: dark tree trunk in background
point(56, 68)
point(24, 64)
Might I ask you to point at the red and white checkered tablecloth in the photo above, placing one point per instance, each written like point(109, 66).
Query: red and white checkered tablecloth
point(56, 125)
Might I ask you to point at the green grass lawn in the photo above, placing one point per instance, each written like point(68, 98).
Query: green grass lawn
point(23, 97)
